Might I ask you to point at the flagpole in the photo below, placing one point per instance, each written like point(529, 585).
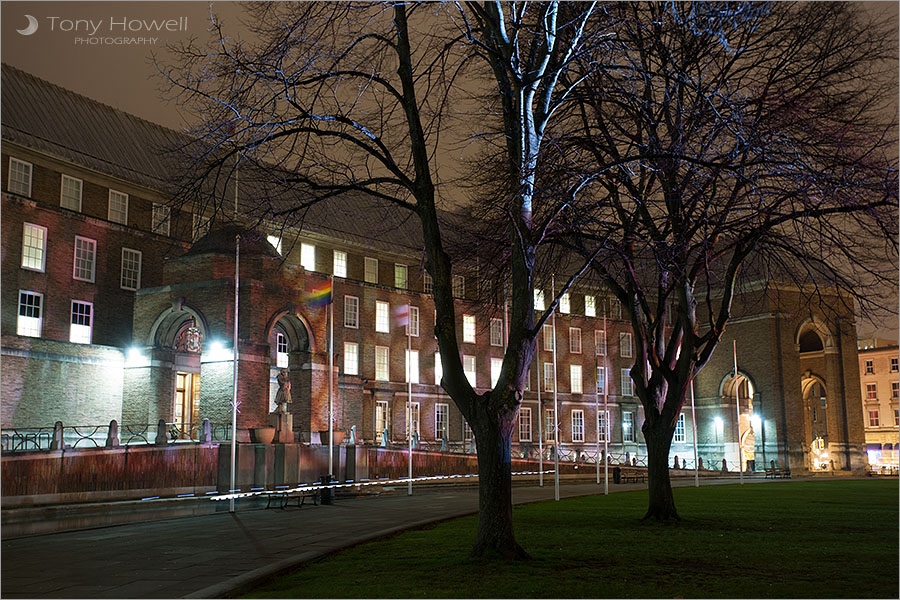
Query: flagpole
point(331, 384)
point(605, 408)
point(540, 424)
point(694, 420)
point(737, 408)
point(409, 392)
point(597, 415)
point(234, 382)
point(555, 398)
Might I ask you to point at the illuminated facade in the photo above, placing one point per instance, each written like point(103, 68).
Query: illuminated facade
point(879, 376)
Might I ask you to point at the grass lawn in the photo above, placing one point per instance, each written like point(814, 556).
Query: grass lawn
point(828, 539)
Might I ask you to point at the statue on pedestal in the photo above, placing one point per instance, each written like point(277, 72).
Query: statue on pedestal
point(281, 419)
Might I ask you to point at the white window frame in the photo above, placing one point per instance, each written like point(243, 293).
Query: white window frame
point(539, 301)
point(576, 384)
point(382, 408)
point(600, 342)
point(869, 367)
point(874, 419)
point(590, 306)
point(275, 241)
point(549, 425)
point(524, 424)
point(382, 317)
point(548, 377)
point(15, 183)
point(577, 425)
point(30, 325)
point(895, 390)
point(412, 365)
point(496, 366)
point(628, 426)
point(468, 329)
point(427, 283)
point(371, 270)
point(351, 358)
point(119, 196)
point(601, 381)
point(414, 321)
point(339, 263)
point(470, 368)
point(467, 432)
point(382, 366)
point(626, 384)
point(626, 345)
point(871, 391)
point(122, 271)
point(351, 312)
point(547, 330)
point(575, 340)
point(308, 256)
point(565, 304)
point(63, 198)
point(93, 260)
point(895, 364)
point(161, 219)
point(679, 437)
point(496, 332)
point(459, 286)
point(416, 414)
point(603, 425)
point(441, 420)
point(401, 276)
point(281, 350)
point(34, 256)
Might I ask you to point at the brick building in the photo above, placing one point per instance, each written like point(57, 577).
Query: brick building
point(880, 388)
point(118, 307)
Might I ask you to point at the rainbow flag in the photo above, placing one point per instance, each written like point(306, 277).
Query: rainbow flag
point(320, 295)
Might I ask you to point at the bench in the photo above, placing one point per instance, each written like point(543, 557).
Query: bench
point(631, 475)
point(776, 473)
point(281, 499)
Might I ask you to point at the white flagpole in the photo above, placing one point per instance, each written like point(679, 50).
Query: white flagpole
point(694, 421)
point(555, 398)
point(409, 393)
point(605, 407)
point(540, 425)
point(597, 415)
point(331, 384)
point(737, 408)
point(234, 382)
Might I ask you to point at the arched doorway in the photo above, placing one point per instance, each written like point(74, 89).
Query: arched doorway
point(741, 391)
point(289, 348)
point(815, 420)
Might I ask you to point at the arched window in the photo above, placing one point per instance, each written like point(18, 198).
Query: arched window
point(810, 341)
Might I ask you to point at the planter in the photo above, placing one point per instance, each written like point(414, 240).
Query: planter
point(262, 435)
point(338, 437)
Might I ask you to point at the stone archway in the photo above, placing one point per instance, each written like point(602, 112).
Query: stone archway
point(290, 347)
point(743, 391)
point(815, 420)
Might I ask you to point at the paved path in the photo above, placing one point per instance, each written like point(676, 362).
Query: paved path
point(207, 556)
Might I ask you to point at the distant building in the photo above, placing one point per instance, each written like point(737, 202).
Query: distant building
point(116, 306)
point(879, 378)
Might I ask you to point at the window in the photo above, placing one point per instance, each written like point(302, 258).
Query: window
point(308, 257)
point(70, 193)
point(575, 379)
point(548, 337)
point(574, 340)
point(275, 240)
point(524, 424)
point(871, 391)
point(894, 366)
point(382, 317)
point(339, 266)
point(131, 269)
point(459, 286)
point(200, 227)
point(351, 312)
point(30, 315)
point(85, 259)
point(549, 425)
point(615, 308)
point(496, 332)
point(590, 306)
point(381, 418)
point(601, 380)
point(438, 369)
point(600, 343)
point(469, 329)
point(415, 417)
point(414, 321)
point(469, 369)
point(496, 365)
point(427, 283)
point(159, 222)
point(873, 417)
point(603, 425)
point(895, 390)
point(548, 377)
point(371, 274)
point(565, 306)
point(118, 207)
point(625, 350)
point(400, 276)
point(19, 181)
point(412, 366)
point(679, 430)
point(382, 364)
point(627, 387)
point(467, 432)
point(539, 303)
point(441, 421)
point(281, 350)
point(351, 358)
point(896, 416)
point(577, 425)
point(628, 426)
point(870, 367)
point(34, 242)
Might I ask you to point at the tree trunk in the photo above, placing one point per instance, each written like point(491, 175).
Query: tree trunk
point(659, 439)
point(495, 528)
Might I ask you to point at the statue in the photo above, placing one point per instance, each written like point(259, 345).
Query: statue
point(283, 397)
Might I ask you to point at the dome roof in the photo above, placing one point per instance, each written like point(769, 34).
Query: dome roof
point(221, 239)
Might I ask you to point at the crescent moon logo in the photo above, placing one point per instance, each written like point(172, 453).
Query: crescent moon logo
point(32, 26)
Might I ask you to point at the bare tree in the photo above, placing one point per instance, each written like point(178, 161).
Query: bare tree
point(730, 142)
point(325, 112)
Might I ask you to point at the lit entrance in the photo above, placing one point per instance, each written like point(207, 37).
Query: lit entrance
point(187, 407)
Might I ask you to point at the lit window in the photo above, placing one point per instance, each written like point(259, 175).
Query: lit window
point(382, 363)
point(601, 380)
point(438, 368)
point(873, 417)
point(308, 257)
point(80, 330)
point(548, 337)
point(19, 181)
point(351, 312)
point(548, 377)
point(496, 332)
point(85, 259)
point(871, 391)
point(381, 418)
point(539, 300)
point(34, 241)
point(895, 390)
point(160, 219)
point(400, 276)
point(549, 424)
point(281, 350)
point(870, 367)
point(70, 193)
point(603, 425)
point(200, 227)
point(574, 340)
point(412, 364)
point(896, 416)
point(628, 426)
point(590, 306)
point(524, 424)
point(467, 432)
point(627, 387)
point(894, 366)
point(131, 269)
point(679, 430)
point(118, 207)
point(565, 307)
point(575, 379)
point(415, 417)
point(441, 421)
point(30, 314)
point(351, 358)
point(600, 343)
point(371, 270)
point(459, 286)
point(382, 317)
point(428, 283)
point(496, 365)
point(469, 369)
point(414, 321)
point(340, 264)
point(275, 240)
point(625, 350)
point(577, 425)
point(469, 329)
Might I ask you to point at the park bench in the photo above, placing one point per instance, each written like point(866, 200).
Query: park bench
point(632, 475)
point(777, 473)
point(281, 499)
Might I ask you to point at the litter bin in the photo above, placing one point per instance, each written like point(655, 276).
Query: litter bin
point(617, 475)
point(327, 493)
